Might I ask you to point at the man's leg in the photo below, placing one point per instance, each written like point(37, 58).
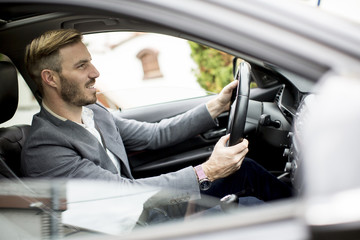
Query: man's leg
point(250, 180)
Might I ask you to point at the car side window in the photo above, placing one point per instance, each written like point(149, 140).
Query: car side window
point(138, 69)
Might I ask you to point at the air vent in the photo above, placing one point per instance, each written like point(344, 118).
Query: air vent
point(279, 94)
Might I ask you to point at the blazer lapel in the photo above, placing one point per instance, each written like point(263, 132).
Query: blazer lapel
point(75, 131)
point(116, 146)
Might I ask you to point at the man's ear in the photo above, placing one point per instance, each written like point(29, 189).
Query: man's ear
point(49, 78)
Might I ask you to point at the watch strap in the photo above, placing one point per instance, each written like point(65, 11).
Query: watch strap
point(200, 172)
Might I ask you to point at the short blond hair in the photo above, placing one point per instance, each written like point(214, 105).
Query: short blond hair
point(43, 52)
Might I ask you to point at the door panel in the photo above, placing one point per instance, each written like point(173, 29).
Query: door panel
point(154, 113)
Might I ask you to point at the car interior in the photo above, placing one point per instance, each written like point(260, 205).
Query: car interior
point(270, 113)
point(268, 127)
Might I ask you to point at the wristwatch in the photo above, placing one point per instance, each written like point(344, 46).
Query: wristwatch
point(204, 182)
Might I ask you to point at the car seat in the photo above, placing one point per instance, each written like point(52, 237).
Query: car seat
point(11, 138)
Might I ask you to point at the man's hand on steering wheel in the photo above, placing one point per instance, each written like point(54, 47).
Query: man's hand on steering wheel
point(222, 102)
point(230, 150)
point(225, 160)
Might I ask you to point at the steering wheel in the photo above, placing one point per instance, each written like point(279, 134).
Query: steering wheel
point(239, 107)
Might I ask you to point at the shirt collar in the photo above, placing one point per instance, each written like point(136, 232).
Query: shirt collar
point(52, 113)
point(87, 116)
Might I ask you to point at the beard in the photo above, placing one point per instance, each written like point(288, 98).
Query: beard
point(75, 94)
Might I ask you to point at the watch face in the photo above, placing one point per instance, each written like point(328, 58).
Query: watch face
point(205, 184)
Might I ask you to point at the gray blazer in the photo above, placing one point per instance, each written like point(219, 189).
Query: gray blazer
point(57, 148)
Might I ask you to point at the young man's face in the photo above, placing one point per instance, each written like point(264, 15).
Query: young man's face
point(78, 75)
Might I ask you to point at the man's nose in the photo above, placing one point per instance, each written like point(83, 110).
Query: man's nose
point(94, 72)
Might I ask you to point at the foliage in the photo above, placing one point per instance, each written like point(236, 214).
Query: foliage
point(214, 67)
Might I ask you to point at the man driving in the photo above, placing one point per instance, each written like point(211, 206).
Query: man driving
point(73, 136)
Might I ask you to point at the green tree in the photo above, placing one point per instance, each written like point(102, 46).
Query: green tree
point(214, 67)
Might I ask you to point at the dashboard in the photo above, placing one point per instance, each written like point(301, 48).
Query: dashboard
point(293, 102)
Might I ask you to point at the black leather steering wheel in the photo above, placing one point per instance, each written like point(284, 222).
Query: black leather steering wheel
point(238, 109)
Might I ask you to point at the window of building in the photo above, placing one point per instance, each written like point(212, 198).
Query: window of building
point(150, 64)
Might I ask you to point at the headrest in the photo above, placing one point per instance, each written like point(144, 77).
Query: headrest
point(8, 91)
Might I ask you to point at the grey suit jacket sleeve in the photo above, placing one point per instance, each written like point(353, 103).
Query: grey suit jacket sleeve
point(142, 135)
